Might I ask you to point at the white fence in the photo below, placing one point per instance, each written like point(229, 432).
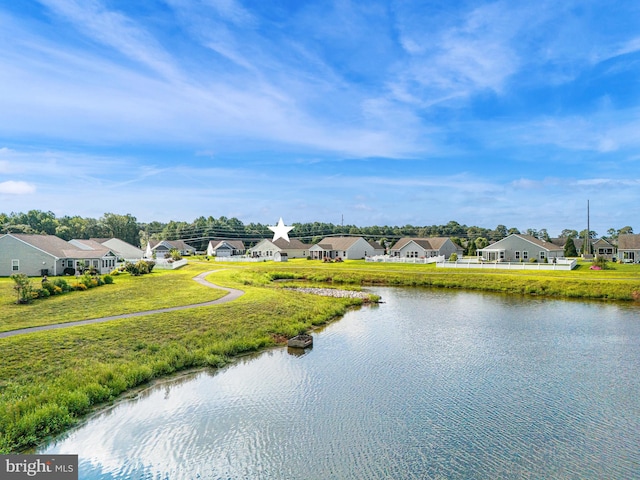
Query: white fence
point(165, 265)
point(390, 259)
point(561, 264)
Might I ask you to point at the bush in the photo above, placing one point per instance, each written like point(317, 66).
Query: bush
point(601, 262)
point(453, 257)
point(49, 287)
point(62, 284)
point(43, 293)
point(108, 279)
point(23, 288)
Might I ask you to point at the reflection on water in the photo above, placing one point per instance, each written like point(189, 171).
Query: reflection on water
point(431, 384)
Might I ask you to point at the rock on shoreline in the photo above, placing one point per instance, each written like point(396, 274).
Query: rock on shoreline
point(332, 292)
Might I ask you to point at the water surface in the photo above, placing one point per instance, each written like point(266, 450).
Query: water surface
point(431, 384)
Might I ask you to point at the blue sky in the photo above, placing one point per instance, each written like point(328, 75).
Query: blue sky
point(384, 112)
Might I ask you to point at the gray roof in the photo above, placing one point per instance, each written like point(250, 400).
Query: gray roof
point(235, 244)
point(375, 245)
point(541, 243)
point(430, 243)
point(60, 248)
point(338, 243)
point(292, 244)
point(50, 244)
point(629, 241)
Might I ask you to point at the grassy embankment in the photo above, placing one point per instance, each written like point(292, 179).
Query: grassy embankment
point(619, 282)
point(49, 380)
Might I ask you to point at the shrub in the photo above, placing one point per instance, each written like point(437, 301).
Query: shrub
point(23, 288)
point(108, 279)
point(43, 293)
point(81, 287)
point(62, 284)
point(601, 262)
point(49, 287)
point(453, 257)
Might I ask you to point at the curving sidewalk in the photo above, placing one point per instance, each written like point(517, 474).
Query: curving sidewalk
point(231, 295)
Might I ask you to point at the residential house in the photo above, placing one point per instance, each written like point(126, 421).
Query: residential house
point(36, 255)
point(346, 248)
point(629, 248)
point(266, 248)
point(409, 247)
point(603, 249)
point(163, 247)
point(521, 248)
point(225, 248)
point(561, 241)
point(124, 250)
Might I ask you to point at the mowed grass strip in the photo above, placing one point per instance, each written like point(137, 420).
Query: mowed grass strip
point(128, 294)
point(620, 282)
point(50, 379)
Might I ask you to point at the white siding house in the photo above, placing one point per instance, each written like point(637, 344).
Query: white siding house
point(36, 255)
point(225, 248)
point(521, 248)
point(346, 248)
point(267, 248)
point(425, 247)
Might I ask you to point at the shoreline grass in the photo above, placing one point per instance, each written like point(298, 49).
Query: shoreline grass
point(50, 380)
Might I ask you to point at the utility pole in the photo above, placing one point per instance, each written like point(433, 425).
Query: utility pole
point(587, 240)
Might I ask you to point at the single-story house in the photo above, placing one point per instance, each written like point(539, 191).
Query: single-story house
point(603, 249)
point(409, 247)
point(629, 247)
point(561, 241)
point(346, 248)
point(36, 255)
point(124, 250)
point(521, 248)
point(266, 248)
point(225, 248)
point(163, 247)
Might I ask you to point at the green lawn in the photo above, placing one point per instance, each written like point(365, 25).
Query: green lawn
point(160, 289)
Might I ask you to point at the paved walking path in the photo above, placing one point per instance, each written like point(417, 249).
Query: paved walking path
point(232, 295)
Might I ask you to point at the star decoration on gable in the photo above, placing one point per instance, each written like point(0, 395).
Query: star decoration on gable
point(280, 231)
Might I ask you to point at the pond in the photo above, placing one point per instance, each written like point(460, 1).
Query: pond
point(429, 384)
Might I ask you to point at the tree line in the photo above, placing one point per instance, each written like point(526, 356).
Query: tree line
point(198, 232)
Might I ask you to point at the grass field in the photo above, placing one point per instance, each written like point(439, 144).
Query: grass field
point(127, 294)
point(51, 379)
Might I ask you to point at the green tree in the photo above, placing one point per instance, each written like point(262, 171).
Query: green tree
point(124, 227)
point(481, 243)
point(570, 248)
point(568, 233)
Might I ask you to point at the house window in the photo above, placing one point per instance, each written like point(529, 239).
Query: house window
point(15, 265)
point(525, 255)
point(541, 255)
point(501, 255)
point(517, 255)
point(70, 263)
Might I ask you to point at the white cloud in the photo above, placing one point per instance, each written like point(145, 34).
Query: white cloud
point(12, 187)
